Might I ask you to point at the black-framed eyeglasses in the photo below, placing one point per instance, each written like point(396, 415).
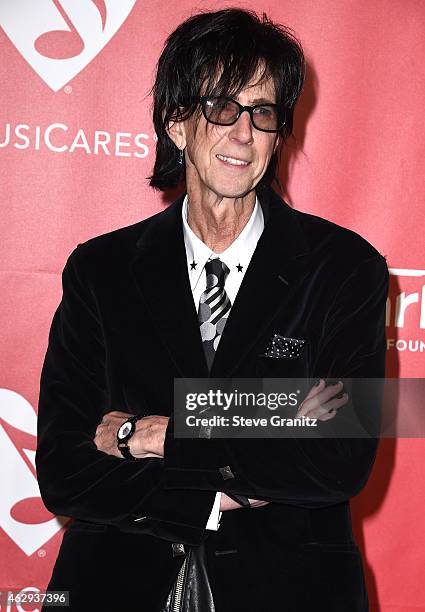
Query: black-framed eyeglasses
point(221, 110)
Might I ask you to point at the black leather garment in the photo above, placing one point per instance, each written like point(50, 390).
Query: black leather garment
point(192, 590)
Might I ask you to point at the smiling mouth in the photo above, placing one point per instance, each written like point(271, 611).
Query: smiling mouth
point(232, 160)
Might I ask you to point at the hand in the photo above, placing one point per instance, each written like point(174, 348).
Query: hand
point(318, 402)
point(226, 503)
point(147, 440)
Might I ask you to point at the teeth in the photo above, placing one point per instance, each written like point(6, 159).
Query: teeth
point(231, 160)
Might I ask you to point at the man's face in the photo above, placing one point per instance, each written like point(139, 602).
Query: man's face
point(214, 152)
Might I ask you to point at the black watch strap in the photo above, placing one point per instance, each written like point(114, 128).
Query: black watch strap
point(125, 451)
point(123, 446)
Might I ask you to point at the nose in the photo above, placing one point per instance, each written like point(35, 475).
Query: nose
point(241, 131)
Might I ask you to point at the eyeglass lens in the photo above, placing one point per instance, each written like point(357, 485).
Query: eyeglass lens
point(225, 112)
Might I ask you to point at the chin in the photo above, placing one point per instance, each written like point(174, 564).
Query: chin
point(232, 191)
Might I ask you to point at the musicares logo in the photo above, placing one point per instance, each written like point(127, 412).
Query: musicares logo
point(58, 38)
point(22, 513)
point(405, 311)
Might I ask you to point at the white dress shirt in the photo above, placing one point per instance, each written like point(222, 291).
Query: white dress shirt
point(236, 257)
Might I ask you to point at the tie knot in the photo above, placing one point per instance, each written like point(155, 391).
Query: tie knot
point(216, 271)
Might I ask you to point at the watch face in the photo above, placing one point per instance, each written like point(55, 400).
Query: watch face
point(124, 430)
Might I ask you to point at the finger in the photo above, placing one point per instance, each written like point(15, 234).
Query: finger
point(312, 393)
point(336, 402)
point(118, 413)
point(323, 409)
point(320, 398)
point(312, 403)
point(329, 392)
point(114, 420)
point(328, 415)
point(314, 414)
point(313, 406)
point(315, 389)
point(103, 424)
point(99, 431)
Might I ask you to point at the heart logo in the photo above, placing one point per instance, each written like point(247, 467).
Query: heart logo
point(59, 38)
point(22, 515)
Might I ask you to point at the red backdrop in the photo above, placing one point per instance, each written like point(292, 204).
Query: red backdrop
point(76, 145)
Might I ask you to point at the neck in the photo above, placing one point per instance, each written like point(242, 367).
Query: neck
point(218, 220)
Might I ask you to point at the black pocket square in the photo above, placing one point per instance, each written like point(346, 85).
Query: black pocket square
point(282, 347)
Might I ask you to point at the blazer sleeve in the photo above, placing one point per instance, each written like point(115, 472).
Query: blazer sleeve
point(308, 472)
point(75, 478)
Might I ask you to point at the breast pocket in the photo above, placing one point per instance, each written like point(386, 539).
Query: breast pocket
point(284, 357)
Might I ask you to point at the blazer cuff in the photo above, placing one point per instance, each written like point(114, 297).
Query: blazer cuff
point(201, 464)
point(177, 515)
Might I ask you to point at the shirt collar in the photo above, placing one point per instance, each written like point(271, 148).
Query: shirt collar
point(239, 252)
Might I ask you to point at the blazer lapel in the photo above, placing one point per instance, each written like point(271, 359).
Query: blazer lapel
point(277, 265)
point(160, 272)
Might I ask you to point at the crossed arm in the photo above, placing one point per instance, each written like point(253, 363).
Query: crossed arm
point(176, 487)
point(149, 437)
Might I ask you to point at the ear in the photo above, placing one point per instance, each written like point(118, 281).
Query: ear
point(176, 130)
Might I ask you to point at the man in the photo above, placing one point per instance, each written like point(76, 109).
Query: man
point(220, 284)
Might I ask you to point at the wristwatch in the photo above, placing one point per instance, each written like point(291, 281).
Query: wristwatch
point(124, 433)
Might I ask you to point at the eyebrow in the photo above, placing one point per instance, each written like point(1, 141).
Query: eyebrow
point(261, 101)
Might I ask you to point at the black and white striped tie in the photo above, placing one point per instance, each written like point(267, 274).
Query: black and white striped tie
point(214, 306)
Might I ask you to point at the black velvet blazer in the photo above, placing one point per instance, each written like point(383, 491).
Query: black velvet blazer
point(125, 328)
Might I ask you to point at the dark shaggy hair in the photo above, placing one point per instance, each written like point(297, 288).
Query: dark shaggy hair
point(221, 52)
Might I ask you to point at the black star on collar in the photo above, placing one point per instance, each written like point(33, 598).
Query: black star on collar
point(193, 265)
point(239, 267)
